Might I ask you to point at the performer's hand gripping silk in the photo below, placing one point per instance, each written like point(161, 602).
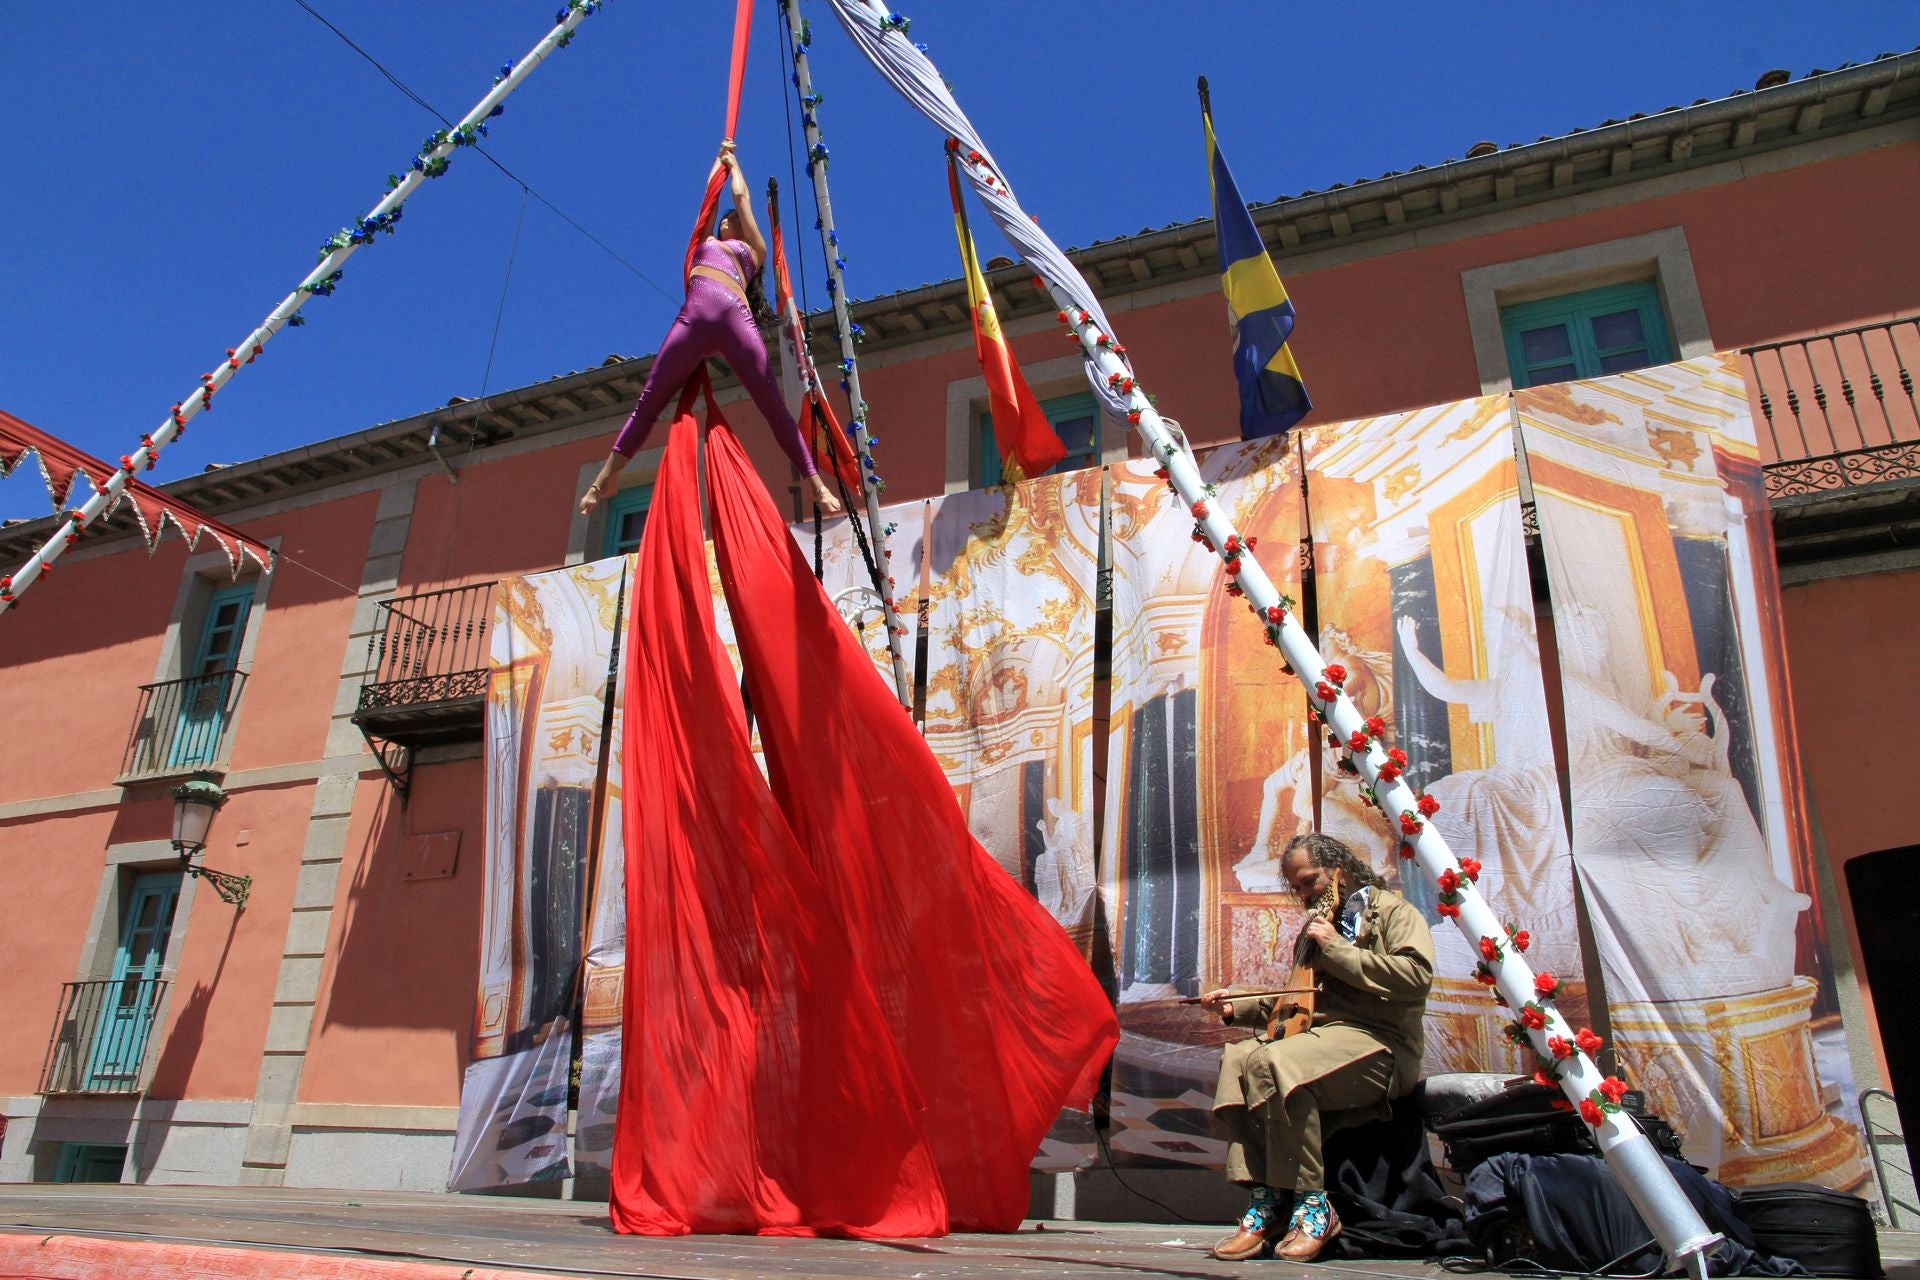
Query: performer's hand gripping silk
point(1342, 1064)
point(718, 318)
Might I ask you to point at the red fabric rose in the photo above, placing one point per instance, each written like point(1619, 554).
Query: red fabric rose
point(1336, 673)
point(1429, 806)
point(1521, 939)
point(1199, 511)
point(1614, 1088)
point(1489, 948)
point(1532, 1018)
point(1447, 909)
point(1406, 850)
point(1376, 726)
point(1326, 692)
point(1484, 976)
point(1449, 880)
point(1590, 1112)
point(1276, 615)
point(1559, 1047)
point(1409, 824)
point(1389, 772)
point(1542, 1079)
point(1398, 756)
point(1470, 868)
point(1561, 1104)
point(1545, 983)
point(1358, 741)
point(1589, 1042)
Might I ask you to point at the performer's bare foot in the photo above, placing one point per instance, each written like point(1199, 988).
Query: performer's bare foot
point(823, 498)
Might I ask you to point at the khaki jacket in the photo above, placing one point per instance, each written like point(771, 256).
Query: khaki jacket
point(1373, 996)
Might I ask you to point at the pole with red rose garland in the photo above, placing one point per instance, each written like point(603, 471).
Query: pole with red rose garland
point(1566, 1052)
point(801, 35)
point(431, 162)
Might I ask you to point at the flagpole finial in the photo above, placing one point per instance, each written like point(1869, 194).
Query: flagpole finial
point(1206, 98)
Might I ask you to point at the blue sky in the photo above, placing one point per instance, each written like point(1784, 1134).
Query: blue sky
point(169, 170)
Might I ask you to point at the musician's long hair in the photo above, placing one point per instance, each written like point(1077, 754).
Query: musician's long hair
point(1325, 851)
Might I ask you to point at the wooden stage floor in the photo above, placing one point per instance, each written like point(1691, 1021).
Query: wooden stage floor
point(83, 1231)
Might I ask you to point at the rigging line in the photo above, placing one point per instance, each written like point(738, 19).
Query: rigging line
point(486, 384)
point(433, 111)
point(281, 557)
point(793, 173)
point(486, 378)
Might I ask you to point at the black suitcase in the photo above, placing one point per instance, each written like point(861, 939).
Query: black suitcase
point(1828, 1232)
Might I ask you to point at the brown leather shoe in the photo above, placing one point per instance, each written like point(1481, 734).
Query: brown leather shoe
point(1244, 1244)
point(1298, 1246)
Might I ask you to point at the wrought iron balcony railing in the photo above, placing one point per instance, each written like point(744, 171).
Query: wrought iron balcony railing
point(100, 1035)
point(1838, 411)
point(427, 666)
point(180, 726)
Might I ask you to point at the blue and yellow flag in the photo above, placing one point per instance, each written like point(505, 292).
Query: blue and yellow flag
point(1273, 396)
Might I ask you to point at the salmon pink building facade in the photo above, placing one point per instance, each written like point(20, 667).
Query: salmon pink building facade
point(317, 1037)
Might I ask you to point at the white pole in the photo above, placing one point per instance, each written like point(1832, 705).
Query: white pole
point(430, 163)
point(801, 36)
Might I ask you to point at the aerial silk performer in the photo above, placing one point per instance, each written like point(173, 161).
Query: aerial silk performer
point(842, 1015)
point(725, 303)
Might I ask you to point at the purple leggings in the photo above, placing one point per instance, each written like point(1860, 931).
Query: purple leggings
point(713, 321)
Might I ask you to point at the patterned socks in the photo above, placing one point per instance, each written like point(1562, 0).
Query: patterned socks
point(1312, 1214)
point(1262, 1209)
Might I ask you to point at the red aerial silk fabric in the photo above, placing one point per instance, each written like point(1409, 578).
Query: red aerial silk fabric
point(717, 182)
point(761, 1087)
point(1000, 1020)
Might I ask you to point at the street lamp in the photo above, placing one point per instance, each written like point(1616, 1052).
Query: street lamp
point(194, 804)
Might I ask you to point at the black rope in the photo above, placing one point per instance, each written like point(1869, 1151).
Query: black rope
point(1100, 1133)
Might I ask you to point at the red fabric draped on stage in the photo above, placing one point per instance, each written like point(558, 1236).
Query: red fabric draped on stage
point(761, 1087)
point(842, 1015)
point(999, 1018)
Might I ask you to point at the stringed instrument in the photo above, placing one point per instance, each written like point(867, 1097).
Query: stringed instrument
point(1291, 1017)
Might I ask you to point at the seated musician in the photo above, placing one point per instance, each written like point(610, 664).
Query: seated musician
point(1372, 956)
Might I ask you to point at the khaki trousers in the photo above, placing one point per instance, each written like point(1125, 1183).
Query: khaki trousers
point(1276, 1142)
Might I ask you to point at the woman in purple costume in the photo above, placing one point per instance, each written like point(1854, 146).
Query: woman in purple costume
point(716, 319)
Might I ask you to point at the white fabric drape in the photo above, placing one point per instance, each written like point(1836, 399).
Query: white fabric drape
point(910, 71)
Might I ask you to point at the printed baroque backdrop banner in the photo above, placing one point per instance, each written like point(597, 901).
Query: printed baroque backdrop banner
point(1688, 828)
point(1009, 702)
point(1420, 580)
point(551, 656)
point(1202, 723)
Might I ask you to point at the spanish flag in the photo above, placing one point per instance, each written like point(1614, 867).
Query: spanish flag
point(1028, 444)
point(1273, 396)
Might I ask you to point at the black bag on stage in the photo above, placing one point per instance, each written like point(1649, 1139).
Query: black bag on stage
point(1829, 1232)
point(1566, 1213)
point(1524, 1119)
point(1521, 1119)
